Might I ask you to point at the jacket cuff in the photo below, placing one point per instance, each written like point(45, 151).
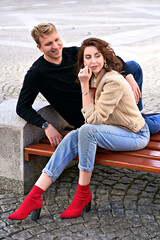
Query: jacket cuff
point(88, 110)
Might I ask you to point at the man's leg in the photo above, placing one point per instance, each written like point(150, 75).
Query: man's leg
point(153, 121)
point(136, 71)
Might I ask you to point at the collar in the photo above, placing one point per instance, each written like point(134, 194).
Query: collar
point(100, 75)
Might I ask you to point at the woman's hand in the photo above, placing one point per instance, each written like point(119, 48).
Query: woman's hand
point(84, 75)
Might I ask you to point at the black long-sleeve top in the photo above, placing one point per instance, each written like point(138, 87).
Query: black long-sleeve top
point(57, 84)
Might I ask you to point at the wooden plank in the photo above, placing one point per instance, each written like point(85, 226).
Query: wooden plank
point(41, 149)
point(145, 153)
point(153, 145)
point(155, 137)
point(131, 162)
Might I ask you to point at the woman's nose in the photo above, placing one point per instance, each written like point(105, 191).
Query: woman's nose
point(93, 60)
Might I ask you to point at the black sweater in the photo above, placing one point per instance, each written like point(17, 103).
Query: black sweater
point(57, 84)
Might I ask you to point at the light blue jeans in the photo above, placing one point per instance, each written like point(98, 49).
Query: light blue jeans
point(83, 142)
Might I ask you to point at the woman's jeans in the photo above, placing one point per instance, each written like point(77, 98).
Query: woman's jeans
point(153, 120)
point(83, 142)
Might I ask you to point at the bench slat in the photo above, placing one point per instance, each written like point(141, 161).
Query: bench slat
point(131, 162)
point(155, 137)
point(153, 145)
point(40, 148)
point(147, 159)
point(145, 153)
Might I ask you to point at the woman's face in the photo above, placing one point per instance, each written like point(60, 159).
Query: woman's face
point(93, 59)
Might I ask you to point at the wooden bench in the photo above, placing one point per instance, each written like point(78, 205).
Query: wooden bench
point(147, 159)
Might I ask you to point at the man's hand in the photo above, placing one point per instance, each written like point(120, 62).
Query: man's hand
point(134, 86)
point(53, 135)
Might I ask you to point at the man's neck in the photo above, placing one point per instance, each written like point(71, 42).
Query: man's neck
point(55, 61)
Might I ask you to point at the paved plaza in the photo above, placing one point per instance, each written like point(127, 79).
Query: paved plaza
point(126, 203)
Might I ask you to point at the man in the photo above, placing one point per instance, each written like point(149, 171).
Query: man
point(53, 75)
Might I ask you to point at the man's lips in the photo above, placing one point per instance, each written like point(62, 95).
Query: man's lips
point(56, 51)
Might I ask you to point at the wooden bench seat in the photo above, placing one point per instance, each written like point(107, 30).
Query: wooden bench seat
point(147, 159)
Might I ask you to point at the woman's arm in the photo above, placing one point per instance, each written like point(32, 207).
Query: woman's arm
point(84, 77)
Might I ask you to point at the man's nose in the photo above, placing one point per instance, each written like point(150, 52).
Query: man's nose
point(55, 45)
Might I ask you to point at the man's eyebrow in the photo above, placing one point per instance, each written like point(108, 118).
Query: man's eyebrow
point(47, 43)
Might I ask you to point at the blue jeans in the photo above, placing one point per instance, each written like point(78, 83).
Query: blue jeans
point(83, 142)
point(153, 120)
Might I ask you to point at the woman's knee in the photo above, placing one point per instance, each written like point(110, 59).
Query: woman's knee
point(86, 129)
point(86, 132)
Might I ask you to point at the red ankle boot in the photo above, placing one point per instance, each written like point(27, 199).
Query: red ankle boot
point(81, 200)
point(32, 202)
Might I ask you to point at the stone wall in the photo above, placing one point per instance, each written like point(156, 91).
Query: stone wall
point(15, 173)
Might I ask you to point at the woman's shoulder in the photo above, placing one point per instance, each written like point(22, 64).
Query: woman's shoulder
point(113, 76)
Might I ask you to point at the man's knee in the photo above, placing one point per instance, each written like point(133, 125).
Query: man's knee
point(134, 67)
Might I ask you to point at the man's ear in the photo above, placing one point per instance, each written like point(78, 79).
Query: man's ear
point(39, 47)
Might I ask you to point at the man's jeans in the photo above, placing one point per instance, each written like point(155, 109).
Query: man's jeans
point(83, 142)
point(153, 120)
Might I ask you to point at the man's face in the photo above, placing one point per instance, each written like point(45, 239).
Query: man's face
point(51, 46)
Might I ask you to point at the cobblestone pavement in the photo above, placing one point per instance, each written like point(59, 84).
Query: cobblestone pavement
point(126, 204)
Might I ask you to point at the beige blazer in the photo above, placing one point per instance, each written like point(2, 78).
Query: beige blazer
point(114, 103)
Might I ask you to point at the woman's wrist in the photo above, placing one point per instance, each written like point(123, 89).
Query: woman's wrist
point(85, 87)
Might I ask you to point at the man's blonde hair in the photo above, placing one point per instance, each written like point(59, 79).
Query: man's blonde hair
point(41, 29)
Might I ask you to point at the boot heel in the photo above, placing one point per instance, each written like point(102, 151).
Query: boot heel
point(35, 214)
point(88, 207)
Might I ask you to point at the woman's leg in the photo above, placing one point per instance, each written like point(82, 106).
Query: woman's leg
point(105, 136)
point(109, 137)
point(136, 71)
point(65, 153)
point(82, 198)
point(33, 200)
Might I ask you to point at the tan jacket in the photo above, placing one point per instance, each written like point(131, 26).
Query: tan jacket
point(114, 103)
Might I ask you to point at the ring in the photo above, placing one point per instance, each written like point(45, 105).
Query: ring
point(81, 70)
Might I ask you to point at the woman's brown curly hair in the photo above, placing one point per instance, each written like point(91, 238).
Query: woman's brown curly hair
point(108, 53)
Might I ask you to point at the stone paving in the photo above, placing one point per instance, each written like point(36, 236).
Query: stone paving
point(126, 204)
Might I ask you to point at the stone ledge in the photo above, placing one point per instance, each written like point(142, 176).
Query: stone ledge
point(15, 134)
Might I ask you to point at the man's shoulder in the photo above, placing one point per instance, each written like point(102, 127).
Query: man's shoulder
point(71, 50)
point(37, 63)
point(35, 70)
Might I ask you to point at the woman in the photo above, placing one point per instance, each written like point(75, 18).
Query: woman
point(112, 119)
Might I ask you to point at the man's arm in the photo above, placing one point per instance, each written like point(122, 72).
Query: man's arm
point(28, 94)
point(130, 79)
point(135, 88)
point(25, 110)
